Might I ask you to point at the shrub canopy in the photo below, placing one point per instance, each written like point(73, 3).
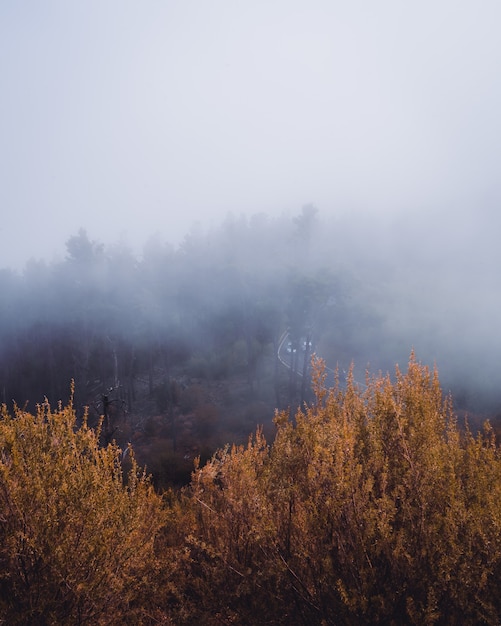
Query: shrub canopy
point(371, 506)
point(76, 535)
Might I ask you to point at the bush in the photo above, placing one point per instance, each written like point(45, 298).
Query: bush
point(76, 535)
point(371, 507)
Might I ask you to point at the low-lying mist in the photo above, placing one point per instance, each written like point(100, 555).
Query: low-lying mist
point(367, 290)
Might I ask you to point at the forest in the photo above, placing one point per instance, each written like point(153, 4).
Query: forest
point(218, 434)
point(178, 347)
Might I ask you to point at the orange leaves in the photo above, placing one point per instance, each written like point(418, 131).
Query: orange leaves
point(364, 509)
point(370, 506)
point(73, 531)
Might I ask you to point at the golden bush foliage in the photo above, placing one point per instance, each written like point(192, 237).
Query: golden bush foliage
point(76, 535)
point(370, 507)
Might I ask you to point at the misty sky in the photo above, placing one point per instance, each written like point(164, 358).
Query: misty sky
point(130, 118)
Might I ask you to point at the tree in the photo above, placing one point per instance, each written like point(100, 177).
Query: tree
point(82, 250)
point(306, 222)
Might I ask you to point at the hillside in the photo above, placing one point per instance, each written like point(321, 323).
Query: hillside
point(178, 346)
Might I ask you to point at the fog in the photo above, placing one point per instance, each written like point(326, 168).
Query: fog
point(184, 182)
point(368, 291)
point(184, 349)
point(130, 119)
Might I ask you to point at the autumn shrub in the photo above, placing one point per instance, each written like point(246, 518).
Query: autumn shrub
point(76, 534)
point(371, 506)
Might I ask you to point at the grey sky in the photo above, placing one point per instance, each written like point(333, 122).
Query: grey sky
point(128, 118)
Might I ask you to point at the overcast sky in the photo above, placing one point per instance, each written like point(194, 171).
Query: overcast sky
point(130, 118)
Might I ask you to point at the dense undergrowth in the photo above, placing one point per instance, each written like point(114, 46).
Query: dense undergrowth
point(369, 506)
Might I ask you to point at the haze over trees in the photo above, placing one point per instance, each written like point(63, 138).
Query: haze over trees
point(359, 499)
point(390, 286)
point(177, 347)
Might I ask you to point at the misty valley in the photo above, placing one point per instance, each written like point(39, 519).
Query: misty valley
point(250, 429)
point(183, 350)
point(250, 343)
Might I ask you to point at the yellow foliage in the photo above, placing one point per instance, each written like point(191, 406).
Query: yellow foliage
point(369, 507)
point(76, 535)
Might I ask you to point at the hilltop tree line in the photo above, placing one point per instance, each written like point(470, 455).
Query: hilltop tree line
point(176, 347)
point(368, 506)
point(103, 314)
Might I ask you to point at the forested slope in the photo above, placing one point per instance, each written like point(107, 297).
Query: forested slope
point(178, 346)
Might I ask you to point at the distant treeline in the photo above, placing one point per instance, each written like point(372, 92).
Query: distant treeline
point(218, 304)
point(104, 317)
